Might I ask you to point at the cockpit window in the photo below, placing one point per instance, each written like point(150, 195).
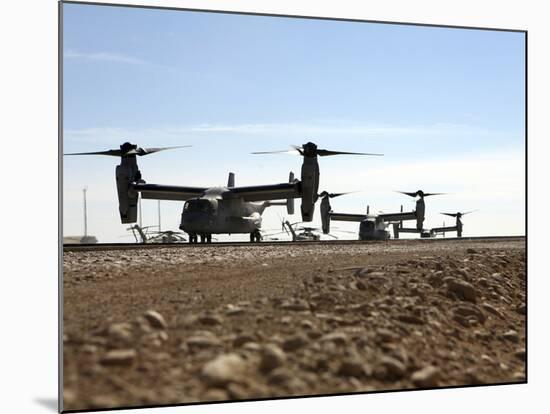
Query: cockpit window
point(202, 206)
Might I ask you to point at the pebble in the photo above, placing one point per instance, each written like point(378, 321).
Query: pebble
point(296, 305)
point(385, 335)
point(467, 310)
point(242, 339)
point(210, 320)
point(215, 394)
point(351, 368)
point(272, 357)
point(511, 335)
point(408, 318)
point(426, 377)
point(339, 338)
point(389, 369)
point(119, 357)
point(295, 342)
point(463, 290)
point(155, 319)
point(120, 332)
point(521, 354)
point(224, 369)
point(204, 340)
point(490, 308)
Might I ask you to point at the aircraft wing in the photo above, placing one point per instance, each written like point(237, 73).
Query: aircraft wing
point(167, 192)
point(347, 217)
point(264, 192)
point(398, 216)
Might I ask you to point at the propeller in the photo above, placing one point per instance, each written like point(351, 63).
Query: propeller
point(458, 214)
point(311, 150)
point(332, 195)
point(419, 193)
point(128, 149)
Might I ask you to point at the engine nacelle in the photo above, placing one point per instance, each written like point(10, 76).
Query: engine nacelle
point(325, 214)
point(310, 186)
point(126, 173)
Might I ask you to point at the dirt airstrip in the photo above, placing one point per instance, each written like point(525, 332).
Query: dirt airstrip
point(203, 323)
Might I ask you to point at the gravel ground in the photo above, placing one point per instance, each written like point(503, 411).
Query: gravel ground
point(178, 325)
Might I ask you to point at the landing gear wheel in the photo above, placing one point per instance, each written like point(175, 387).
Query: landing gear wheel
point(192, 239)
point(208, 238)
point(203, 238)
point(258, 236)
point(251, 237)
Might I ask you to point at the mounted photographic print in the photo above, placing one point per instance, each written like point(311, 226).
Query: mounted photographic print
point(262, 206)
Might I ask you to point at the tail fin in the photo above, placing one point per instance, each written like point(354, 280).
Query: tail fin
point(231, 180)
point(290, 201)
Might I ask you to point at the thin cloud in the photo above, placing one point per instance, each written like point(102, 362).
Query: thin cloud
point(104, 56)
point(302, 129)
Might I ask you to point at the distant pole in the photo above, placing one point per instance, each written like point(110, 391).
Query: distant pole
point(160, 229)
point(139, 208)
point(85, 212)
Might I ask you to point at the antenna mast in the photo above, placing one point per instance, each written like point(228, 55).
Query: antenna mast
point(160, 229)
point(85, 212)
point(140, 224)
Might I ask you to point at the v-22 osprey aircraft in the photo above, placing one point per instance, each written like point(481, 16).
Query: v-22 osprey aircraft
point(216, 210)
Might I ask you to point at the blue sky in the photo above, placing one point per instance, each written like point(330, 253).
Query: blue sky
point(445, 106)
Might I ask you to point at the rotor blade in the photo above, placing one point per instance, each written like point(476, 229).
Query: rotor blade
point(334, 237)
point(450, 214)
point(112, 152)
point(147, 151)
point(275, 152)
point(468, 212)
point(406, 193)
point(431, 194)
point(326, 153)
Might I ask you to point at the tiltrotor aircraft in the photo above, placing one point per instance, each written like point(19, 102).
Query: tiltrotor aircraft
point(373, 226)
point(216, 210)
point(457, 227)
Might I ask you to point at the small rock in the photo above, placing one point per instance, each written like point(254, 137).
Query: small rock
point(296, 305)
point(339, 338)
point(408, 318)
point(307, 325)
point(521, 354)
point(467, 310)
point(385, 335)
point(237, 392)
point(210, 320)
point(272, 357)
point(462, 290)
point(511, 335)
point(351, 368)
point(295, 342)
point(120, 332)
point(203, 340)
point(426, 377)
point(225, 368)
point(215, 394)
point(234, 310)
point(490, 308)
point(279, 376)
point(155, 319)
point(119, 357)
point(242, 339)
point(389, 369)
